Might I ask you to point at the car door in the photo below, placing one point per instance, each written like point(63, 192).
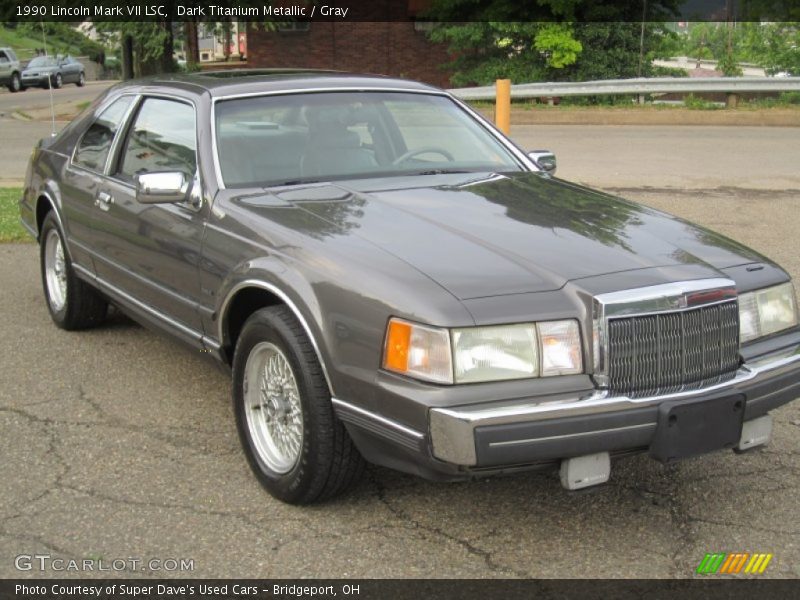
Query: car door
point(5, 68)
point(72, 67)
point(80, 183)
point(151, 251)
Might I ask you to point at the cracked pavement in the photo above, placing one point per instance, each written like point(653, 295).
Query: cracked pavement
point(117, 442)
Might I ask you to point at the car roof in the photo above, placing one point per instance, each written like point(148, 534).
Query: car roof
point(230, 82)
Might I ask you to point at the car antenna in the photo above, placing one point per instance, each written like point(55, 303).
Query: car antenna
point(50, 86)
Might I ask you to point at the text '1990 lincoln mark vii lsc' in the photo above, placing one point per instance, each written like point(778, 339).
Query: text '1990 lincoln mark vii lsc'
point(390, 279)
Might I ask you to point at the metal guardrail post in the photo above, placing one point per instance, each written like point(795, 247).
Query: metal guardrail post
point(502, 105)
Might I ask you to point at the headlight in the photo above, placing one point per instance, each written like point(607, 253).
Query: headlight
point(480, 354)
point(766, 311)
point(495, 353)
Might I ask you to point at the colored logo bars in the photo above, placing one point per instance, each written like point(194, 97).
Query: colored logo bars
point(734, 563)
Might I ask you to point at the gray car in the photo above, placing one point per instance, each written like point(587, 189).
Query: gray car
point(388, 278)
point(10, 71)
point(46, 71)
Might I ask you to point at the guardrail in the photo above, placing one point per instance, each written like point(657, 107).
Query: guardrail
point(642, 86)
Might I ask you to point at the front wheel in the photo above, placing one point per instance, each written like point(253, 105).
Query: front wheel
point(59, 81)
point(15, 84)
point(73, 304)
point(299, 451)
point(81, 80)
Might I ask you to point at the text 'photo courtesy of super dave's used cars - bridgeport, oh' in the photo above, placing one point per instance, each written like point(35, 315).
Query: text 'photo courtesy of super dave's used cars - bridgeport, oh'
point(390, 279)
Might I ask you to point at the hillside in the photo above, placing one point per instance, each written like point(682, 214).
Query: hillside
point(61, 39)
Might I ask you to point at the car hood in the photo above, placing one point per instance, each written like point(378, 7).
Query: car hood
point(508, 234)
point(39, 70)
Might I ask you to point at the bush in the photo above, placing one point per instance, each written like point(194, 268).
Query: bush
point(695, 103)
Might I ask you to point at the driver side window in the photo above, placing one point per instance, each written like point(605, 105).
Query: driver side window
point(162, 138)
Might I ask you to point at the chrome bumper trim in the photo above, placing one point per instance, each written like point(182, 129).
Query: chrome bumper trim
point(452, 430)
point(379, 425)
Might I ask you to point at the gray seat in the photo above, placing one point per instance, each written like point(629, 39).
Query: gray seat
point(332, 148)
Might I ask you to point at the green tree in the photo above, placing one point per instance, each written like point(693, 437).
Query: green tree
point(716, 41)
point(552, 40)
point(152, 44)
point(773, 46)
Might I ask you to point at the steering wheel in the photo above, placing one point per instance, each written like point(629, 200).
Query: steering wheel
point(412, 153)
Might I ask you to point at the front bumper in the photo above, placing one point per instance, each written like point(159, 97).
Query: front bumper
point(528, 431)
point(35, 80)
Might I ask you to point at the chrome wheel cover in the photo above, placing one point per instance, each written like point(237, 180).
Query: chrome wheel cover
point(55, 268)
point(272, 407)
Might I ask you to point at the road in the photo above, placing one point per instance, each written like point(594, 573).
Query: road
point(19, 136)
point(608, 156)
point(118, 443)
point(34, 98)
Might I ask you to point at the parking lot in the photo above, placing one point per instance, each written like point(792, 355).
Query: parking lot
point(119, 443)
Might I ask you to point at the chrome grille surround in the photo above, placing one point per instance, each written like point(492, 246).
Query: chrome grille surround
point(667, 338)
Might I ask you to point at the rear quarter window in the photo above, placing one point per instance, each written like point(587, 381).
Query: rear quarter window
point(95, 144)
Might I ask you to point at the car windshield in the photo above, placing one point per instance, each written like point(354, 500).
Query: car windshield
point(42, 61)
point(294, 138)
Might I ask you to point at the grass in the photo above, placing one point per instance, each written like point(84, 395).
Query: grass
point(11, 230)
point(25, 45)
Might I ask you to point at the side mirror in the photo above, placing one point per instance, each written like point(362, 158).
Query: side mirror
point(545, 159)
point(162, 188)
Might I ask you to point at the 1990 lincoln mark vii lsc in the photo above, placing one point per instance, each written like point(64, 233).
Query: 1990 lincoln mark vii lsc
point(389, 278)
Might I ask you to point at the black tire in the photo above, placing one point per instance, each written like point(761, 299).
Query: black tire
point(15, 84)
point(83, 307)
point(58, 82)
point(328, 462)
point(81, 80)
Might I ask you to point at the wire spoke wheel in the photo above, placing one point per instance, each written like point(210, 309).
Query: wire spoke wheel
point(273, 410)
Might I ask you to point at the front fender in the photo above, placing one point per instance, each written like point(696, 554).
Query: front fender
point(287, 285)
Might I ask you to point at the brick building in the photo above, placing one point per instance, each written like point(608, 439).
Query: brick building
point(398, 48)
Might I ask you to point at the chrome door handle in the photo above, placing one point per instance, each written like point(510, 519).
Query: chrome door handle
point(104, 200)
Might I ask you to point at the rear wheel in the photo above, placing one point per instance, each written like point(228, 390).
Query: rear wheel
point(297, 448)
point(73, 304)
point(81, 80)
point(15, 84)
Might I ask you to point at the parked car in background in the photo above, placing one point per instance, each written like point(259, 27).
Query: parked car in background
point(44, 71)
point(10, 72)
point(388, 277)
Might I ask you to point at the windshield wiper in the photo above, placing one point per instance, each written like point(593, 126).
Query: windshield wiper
point(439, 172)
point(294, 182)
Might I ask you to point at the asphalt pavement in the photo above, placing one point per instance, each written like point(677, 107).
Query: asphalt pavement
point(120, 443)
point(35, 98)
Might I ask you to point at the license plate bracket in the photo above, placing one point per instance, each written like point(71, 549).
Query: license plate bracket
point(688, 428)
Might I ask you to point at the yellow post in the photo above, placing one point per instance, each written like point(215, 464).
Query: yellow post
point(502, 106)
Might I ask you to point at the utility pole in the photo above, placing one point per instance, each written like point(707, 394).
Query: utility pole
point(641, 48)
point(641, 39)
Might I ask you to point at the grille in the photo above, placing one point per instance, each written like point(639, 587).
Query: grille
point(673, 351)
